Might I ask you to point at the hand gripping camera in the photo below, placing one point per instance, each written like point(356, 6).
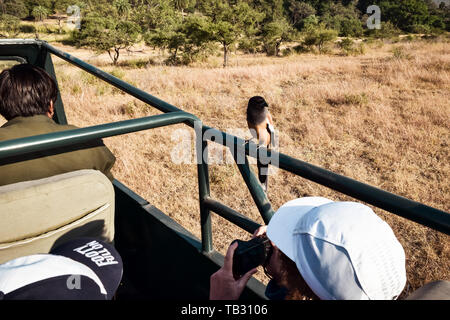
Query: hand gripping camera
point(250, 254)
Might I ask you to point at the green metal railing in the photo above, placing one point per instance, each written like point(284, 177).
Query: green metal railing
point(240, 149)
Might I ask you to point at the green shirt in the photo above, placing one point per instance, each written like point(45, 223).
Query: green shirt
point(42, 164)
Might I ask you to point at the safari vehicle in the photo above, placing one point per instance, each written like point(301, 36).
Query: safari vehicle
point(152, 245)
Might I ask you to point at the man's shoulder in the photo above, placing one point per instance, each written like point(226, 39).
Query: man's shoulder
point(24, 127)
point(61, 127)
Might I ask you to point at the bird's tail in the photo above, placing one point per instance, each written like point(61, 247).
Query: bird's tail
point(263, 176)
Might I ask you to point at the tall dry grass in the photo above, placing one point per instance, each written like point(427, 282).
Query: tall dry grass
point(381, 118)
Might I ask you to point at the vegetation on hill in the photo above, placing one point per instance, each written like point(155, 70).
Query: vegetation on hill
point(192, 29)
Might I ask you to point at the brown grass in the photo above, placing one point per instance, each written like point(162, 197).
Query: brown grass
point(380, 118)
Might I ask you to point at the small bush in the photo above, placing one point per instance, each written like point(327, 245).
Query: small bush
point(301, 48)
point(287, 52)
point(172, 61)
point(349, 99)
point(118, 73)
point(88, 78)
point(76, 89)
point(136, 63)
point(319, 36)
point(27, 28)
point(399, 53)
point(409, 38)
point(388, 30)
point(420, 28)
point(102, 89)
point(356, 99)
point(47, 29)
point(346, 45)
point(128, 109)
point(359, 49)
point(248, 46)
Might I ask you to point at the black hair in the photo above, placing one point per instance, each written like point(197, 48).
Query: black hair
point(257, 110)
point(26, 90)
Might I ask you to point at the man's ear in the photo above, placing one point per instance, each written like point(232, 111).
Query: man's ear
point(51, 110)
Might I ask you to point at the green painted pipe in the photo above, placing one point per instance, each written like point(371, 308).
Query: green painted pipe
point(70, 137)
point(231, 215)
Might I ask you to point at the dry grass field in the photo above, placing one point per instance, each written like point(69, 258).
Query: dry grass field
point(381, 118)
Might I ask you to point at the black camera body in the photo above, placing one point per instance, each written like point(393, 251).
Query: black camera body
point(250, 254)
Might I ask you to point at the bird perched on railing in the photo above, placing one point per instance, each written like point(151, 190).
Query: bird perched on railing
point(259, 121)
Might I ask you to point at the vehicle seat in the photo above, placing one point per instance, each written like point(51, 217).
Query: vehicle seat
point(37, 215)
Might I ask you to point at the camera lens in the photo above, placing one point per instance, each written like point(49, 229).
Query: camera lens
point(251, 254)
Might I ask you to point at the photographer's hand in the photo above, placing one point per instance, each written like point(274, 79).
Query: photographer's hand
point(223, 286)
point(260, 231)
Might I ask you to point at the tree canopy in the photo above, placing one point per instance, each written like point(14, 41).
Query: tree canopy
point(189, 27)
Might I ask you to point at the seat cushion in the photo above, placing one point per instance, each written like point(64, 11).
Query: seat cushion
point(35, 214)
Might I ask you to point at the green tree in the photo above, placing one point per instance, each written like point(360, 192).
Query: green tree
point(15, 8)
point(225, 33)
point(346, 19)
point(387, 30)
point(186, 41)
point(198, 35)
point(31, 4)
point(274, 34)
point(230, 21)
point(155, 14)
point(60, 9)
point(310, 22)
point(40, 13)
point(406, 14)
point(9, 26)
point(182, 5)
point(298, 11)
point(107, 34)
point(319, 36)
point(123, 8)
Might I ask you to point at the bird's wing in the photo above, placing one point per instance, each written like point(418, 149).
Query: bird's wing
point(271, 129)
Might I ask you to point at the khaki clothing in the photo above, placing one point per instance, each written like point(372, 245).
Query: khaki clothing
point(42, 164)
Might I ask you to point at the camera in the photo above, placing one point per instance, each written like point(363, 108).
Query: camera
point(250, 254)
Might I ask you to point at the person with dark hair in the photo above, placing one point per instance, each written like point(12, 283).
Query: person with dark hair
point(322, 249)
point(259, 121)
point(27, 98)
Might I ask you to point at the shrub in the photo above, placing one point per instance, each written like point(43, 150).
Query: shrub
point(346, 44)
point(76, 89)
point(388, 30)
point(287, 52)
point(348, 47)
point(356, 99)
point(248, 45)
point(399, 53)
point(118, 73)
point(27, 28)
point(9, 26)
point(136, 63)
point(420, 28)
point(319, 36)
point(301, 48)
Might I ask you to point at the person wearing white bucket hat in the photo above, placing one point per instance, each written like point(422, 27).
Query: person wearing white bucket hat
point(341, 250)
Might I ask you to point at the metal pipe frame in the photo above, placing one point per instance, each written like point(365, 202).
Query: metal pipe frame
point(420, 213)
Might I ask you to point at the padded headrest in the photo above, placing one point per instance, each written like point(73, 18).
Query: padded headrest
point(31, 208)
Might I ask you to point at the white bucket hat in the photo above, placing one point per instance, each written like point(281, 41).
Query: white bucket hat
point(343, 250)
